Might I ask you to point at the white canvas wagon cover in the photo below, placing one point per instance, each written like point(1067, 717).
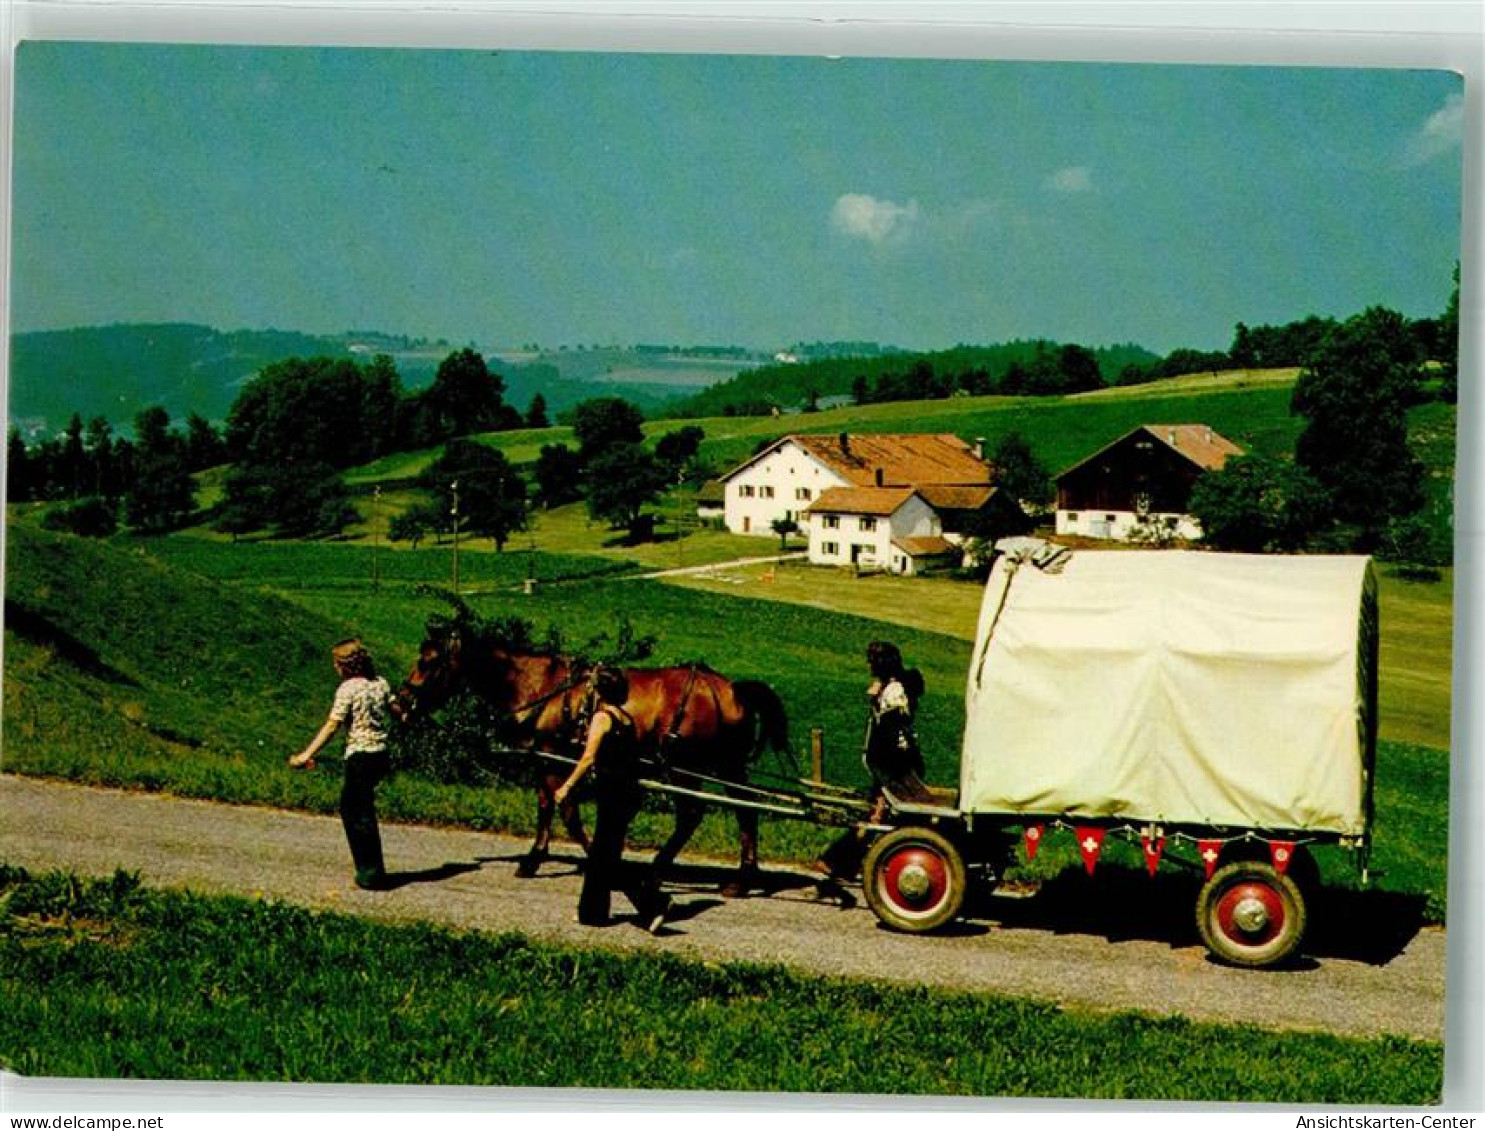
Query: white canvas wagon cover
point(1226, 690)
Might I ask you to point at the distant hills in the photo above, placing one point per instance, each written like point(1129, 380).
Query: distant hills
point(116, 371)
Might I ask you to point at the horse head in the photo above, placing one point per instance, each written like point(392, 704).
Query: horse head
point(438, 673)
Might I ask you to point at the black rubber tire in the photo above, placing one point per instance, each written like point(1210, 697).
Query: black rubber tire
point(914, 880)
point(1251, 916)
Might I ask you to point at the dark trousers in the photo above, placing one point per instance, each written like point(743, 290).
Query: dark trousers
point(363, 773)
point(606, 869)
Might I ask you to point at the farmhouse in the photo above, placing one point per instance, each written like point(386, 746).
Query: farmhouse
point(1142, 481)
point(785, 478)
point(876, 527)
point(894, 501)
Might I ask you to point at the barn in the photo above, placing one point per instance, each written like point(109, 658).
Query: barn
point(1141, 483)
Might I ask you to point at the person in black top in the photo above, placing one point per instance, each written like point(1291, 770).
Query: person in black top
point(890, 752)
point(612, 752)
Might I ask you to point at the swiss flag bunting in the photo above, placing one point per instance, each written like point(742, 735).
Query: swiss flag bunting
point(1090, 842)
point(1154, 846)
point(1282, 852)
point(1209, 850)
point(1033, 836)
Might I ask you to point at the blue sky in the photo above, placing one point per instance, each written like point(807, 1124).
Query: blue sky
point(561, 198)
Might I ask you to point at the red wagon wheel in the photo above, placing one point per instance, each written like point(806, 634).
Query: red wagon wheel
point(1250, 915)
point(914, 880)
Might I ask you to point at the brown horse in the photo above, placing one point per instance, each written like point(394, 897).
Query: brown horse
point(686, 718)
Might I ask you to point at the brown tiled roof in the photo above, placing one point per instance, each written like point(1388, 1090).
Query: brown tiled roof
point(947, 497)
point(1209, 450)
point(913, 458)
point(1198, 443)
point(860, 500)
point(925, 547)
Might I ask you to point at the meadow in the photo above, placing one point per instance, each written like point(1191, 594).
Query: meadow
point(106, 979)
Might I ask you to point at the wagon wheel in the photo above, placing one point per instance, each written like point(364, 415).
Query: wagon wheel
point(914, 879)
point(1250, 915)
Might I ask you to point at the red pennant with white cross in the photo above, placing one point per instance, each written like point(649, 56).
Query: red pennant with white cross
point(1282, 851)
point(1209, 850)
point(1154, 846)
point(1090, 842)
point(1033, 836)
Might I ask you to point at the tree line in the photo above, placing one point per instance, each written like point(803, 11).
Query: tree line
point(300, 423)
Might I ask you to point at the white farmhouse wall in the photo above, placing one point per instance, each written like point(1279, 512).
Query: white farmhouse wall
point(1116, 526)
point(781, 484)
point(847, 539)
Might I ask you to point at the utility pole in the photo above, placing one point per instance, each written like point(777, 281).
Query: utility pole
point(376, 499)
point(680, 501)
point(454, 511)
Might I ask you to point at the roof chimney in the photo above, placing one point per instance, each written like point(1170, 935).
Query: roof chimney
point(845, 443)
point(1209, 435)
point(979, 448)
point(879, 477)
point(1170, 438)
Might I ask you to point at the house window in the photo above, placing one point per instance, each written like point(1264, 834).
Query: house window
point(802, 493)
point(830, 522)
point(868, 525)
point(1072, 516)
point(830, 549)
point(765, 492)
point(745, 491)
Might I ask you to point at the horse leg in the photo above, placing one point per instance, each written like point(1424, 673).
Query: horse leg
point(546, 791)
point(747, 869)
point(546, 806)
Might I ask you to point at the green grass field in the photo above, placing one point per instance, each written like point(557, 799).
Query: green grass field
point(105, 979)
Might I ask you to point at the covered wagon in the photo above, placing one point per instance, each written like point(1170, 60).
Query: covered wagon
point(1217, 708)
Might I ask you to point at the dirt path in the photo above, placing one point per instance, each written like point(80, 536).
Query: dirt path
point(467, 880)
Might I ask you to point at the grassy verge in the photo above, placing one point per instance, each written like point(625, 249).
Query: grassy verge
point(104, 979)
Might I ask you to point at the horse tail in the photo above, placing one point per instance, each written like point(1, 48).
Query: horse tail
point(764, 704)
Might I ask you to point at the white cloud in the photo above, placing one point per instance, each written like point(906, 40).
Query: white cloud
point(1440, 133)
point(873, 220)
point(1075, 178)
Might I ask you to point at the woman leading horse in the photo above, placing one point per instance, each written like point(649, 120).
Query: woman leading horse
point(687, 719)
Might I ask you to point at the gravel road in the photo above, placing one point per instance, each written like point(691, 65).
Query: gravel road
point(1021, 947)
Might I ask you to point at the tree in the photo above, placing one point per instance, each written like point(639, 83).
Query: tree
point(492, 496)
point(163, 495)
point(676, 450)
point(1078, 368)
point(1257, 505)
point(621, 482)
point(536, 415)
point(1018, 472)
point(415, 523)
point(204, 444)
point(784, 527)
point(1354, 394)
point(1449, 343)
point(602, 423)
point(20, 469)
point(465, 396)
point(559, 476)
